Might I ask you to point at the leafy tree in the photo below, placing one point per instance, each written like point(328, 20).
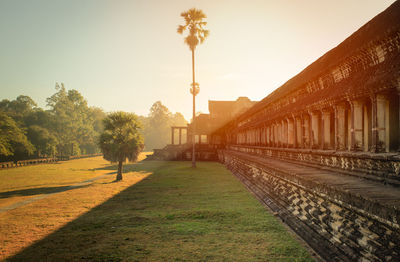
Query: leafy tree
point(121, 139)
point(178, 120)
point(40, 117)
point(194, 23)
point(12, 138)
point(157, 126)
point(73, 123)
point(44, 142)
point(70, 127)
point(18, 108)
point(96, 117)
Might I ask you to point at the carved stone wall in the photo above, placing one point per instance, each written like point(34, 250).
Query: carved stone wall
point(357, 228)
point(378, 167)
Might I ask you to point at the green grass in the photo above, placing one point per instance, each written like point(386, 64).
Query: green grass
point(175, 214)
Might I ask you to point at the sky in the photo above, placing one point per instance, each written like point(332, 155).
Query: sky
point(126, 55)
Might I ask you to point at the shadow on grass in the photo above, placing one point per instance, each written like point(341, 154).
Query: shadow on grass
point(130, 167)
point(34, 191)
point(85, 238)
point(175, 214)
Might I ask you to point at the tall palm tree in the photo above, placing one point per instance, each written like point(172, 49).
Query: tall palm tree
point(197, 34)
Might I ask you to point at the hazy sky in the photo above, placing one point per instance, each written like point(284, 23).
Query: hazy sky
point(125, 55)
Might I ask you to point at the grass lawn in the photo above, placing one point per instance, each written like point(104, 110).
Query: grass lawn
point(161, 211)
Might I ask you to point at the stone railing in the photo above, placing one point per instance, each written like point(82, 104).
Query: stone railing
point(341, 225)
point(384, 167)
point(28, 162)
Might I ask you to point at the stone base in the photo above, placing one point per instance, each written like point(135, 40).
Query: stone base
point(339, 224)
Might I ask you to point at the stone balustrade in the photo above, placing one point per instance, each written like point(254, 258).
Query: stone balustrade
point(4, 165)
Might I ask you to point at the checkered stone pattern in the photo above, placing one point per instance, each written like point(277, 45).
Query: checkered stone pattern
point(358, 234)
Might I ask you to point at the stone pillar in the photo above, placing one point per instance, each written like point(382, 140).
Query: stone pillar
point(300, 132)
point(273, 135)
point(382, 127)
point(315, 126)
point(340, 127)
point(279, 133)
point(284, 133)
point(307, 131)
point(180, 136)
point(172, 135)
point(326, 129)
point(398, 117)
point(366, 127)
point(358, 125)
point(351, 127)
point(336, 136)
point(291, 132)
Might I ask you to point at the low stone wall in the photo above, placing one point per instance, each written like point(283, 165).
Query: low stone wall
point(28, 162)
point(384, 167)
point(338, 225)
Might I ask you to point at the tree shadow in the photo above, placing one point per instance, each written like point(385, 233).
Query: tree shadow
point(131, 167)
point(34, 191)
point(88, 237)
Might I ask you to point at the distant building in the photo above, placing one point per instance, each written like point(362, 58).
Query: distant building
point(221, 112)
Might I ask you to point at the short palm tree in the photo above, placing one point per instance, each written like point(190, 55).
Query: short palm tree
point(121, 139)
point(197, 34)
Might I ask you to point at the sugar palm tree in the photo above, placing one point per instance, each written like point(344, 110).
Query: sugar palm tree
point(194, 23)
point(121, 139)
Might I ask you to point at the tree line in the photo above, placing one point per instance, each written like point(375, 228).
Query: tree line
point(69, 127)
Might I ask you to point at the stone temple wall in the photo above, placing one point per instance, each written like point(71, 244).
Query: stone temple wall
point(339, 225)
point(323, 150)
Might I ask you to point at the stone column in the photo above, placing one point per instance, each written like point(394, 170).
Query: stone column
point(358, 125)
point(299, 132)
point(307, 131)
point(180, 136)
point(382, 104)
point(273, 135)
point(336, 136)
point(172, 135)
point(278, 134)
point(314, 130)
point(291, 132)
point(286, 132)
point(366, 127)
point(398, 130)
point(340, 127)
point(326, 133)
